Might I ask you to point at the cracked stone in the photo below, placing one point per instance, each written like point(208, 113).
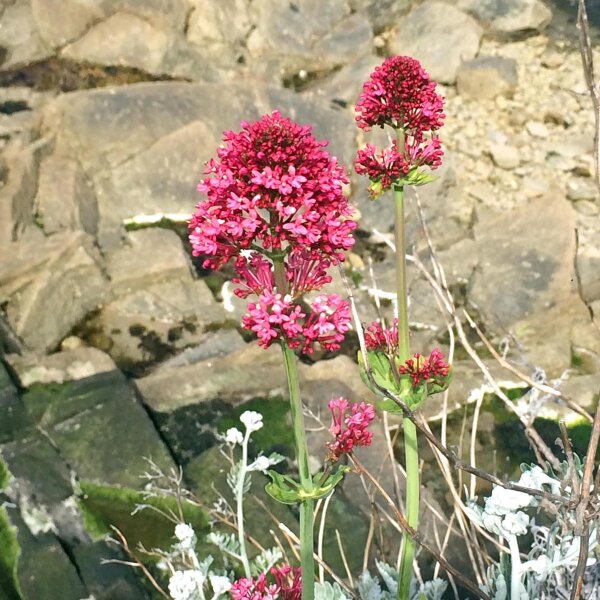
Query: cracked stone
point(440, 36)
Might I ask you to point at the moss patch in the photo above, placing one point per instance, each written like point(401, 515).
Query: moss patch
point(9, 558)
point(276, 433)
point(103, 506)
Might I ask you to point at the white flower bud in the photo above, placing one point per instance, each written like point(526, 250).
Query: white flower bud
point(234, 436)
point(220, 585)
point(185, 534)
point(252, 420)
point(262, 463)
point(183, 584)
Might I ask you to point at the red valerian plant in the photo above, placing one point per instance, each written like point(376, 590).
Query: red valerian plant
point(423, 369)
point(287, 586)
point(400, 94)
point(355, 432)
point(275, 202)
point(274, 188)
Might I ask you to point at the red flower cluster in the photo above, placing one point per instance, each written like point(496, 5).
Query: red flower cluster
point(275, 194)
point(275, 187)
point(275, 317)
point(356, 432)
point(289, 581)
point(287, 586)
point(399, 93)
point(378, 338)
point(250, 589)
point(425, 369)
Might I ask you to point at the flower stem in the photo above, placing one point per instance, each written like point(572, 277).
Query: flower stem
point(411, 450)
point(240, 506)
point(306, 506)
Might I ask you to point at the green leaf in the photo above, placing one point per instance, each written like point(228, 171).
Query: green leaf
point(439, 384)
point(282, 488)
point(417, 177)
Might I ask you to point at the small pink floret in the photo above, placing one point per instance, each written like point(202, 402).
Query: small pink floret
point(356, 425)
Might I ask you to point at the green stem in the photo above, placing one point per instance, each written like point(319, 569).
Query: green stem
point(411, 449)
point(307, 506)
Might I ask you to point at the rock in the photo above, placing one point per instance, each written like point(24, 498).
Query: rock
point(583, 389)
point(584, 207)
point(306, 35)
point(140, 143)
point(69, 365)
point(13, 416)
point(582, 189)
point(91, 421)
point(58, 275)
point(62, 21)
point(440, 36)
point(248, 373)
point(19, 168)
point(588, 269)
point(505, 156)
point(341, 88)
point(129, 268)
point(227, 23)
point(381, 13)
point(537, 129)
point(44, 570)
point(526, 280)
point(216, 344)
point(121, 39)
point(459, 261)
point(510, 17)
point(20, 37)
point(151, 323)
point(486, 77)
point(65, 199)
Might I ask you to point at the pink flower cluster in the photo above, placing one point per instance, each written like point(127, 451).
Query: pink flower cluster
point(274, 317)
point(275, 196)
point(275, 187)
point(379, 338)
point(400, 94)
point(287, 586)
point(425, 369)
point(356, 424)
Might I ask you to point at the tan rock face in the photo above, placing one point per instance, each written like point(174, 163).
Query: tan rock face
point(526, 279)
point(48, 285)
point(440, 36)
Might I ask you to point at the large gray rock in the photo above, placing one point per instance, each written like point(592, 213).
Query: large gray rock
point(69, 365)
point(19, 36)
point(306, 35)
point(59, 276)
point(381, 13)
point(588, 268)
point(147, 257)
point(19, 167)
point(439, 35)
point(527, 280)
point(122, 39)
point(144, 146)
point(486, 77)
point(510, 17)
point(65, 198)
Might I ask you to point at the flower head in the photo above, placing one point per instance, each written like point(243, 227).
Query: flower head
point(183, 585)
point(220, 585)
point(273, 187)
point(185, 534)
point(252, 420)
point(233, 436)
point(251, 589)
point(355, 432)
point(275, 317)
point(399, 93)
point(422, 369)
point(289, 582)
point(378, 338)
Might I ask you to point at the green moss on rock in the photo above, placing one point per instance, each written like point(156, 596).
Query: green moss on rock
point(102, 506)
point(9, 558)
